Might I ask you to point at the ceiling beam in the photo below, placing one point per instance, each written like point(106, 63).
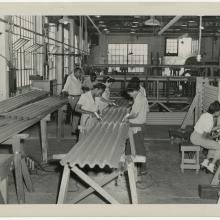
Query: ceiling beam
point(171, 22)
point(95, 26)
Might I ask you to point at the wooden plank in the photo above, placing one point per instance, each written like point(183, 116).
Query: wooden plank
point(131, 140)
point(64, 185)
point(4, 189)
point(215, 180)
point(90, 190)
point(44, 140)
point(190, 112)
point(60, 127)
point(94, 185)
point(132, 182)
point(26, 176)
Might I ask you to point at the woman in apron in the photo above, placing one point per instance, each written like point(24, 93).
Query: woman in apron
point(88, 107)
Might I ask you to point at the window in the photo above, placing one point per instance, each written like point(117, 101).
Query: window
point(171, 47)
point(195, 46)
point(128, 54)
point(25, 45)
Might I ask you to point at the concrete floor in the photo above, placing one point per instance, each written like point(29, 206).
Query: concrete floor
point(166, 183)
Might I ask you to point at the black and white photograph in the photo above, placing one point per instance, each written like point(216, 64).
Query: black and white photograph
point(109, 108)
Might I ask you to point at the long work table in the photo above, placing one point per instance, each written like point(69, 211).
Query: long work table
point(14, 122)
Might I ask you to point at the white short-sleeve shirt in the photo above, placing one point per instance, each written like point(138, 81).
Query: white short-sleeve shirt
point(141, 107)
point(204, 124)
point(73, 86)
point(88, 103)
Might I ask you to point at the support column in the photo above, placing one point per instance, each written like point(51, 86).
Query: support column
point(5, 40)
point(72, 43)
point(59, 59)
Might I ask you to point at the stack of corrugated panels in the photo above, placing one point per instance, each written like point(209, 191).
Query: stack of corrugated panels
point(104, 145)
point(36, 109)
point(10, 127)
point(20, 100)
point(210, 94)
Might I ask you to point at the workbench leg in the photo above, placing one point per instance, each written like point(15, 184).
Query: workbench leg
point(44, 141)
point(64, 185)
point(18, 171)
point(90, 190)
point(26, 176)
point(132, 181)
point(94, 185)
point(60, 124)
point(4, 190)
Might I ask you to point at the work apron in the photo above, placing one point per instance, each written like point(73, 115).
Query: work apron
point(86, 124)
point(73, 100)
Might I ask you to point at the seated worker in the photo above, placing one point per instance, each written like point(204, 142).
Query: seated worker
point(88, 107)
point(137, 80)
point(138, 113)
point(104, 100)
point(73, 88)
point(202, 135)
point(89, 82)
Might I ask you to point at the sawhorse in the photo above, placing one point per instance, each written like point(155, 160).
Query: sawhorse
point(20, 167)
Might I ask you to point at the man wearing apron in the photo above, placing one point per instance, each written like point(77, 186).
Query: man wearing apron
point(88, 107)
point(73, 88)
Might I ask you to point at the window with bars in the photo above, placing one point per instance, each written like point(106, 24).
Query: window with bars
point(128, 54)
point(171, 47)
point(195, 46)
point(25, 46)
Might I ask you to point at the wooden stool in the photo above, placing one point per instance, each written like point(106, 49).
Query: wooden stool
point(6, 161)
point(190, 157)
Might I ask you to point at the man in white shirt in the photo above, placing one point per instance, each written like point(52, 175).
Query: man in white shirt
point(73, 88)
point(88, 107)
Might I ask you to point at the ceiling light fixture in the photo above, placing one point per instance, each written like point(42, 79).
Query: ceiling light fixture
point(183, 25)
point(152, 22)
point(191, 21)
point(101, 22)
point(106, 29)
point(97, 16)
point(135, 22)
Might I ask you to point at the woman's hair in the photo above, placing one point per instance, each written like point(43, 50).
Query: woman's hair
point(133, 86)
point(99, 86)
point(93, 74)
point(108, 79)
point(135, 80)
point(214, 107)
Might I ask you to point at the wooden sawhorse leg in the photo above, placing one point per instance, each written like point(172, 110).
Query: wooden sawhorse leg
point(20, 167)
point(4, 191)
point(216, 178)
point(93, 185)
point(60, 124)
point(44, 138)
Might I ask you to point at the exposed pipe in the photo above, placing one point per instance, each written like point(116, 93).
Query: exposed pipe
point(171, 22)
point(200, 38)
point(94, 25)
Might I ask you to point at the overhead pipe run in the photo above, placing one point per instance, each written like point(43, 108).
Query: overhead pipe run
point(94, 25)
point(171, 22)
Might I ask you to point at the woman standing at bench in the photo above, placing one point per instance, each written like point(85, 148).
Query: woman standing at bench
point(202, 135)
point(138, 114)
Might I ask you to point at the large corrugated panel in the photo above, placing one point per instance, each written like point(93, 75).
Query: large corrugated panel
point(103, 145)
point(20, 100)
point(37, 109)
point(166, 118)
point(10, 127)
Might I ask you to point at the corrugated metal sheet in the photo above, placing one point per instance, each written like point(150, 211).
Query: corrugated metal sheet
point(166, 118)
point(103, 145)
point(36, 109)
point(20, 100)
point(210, 94)
point(10, 127)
